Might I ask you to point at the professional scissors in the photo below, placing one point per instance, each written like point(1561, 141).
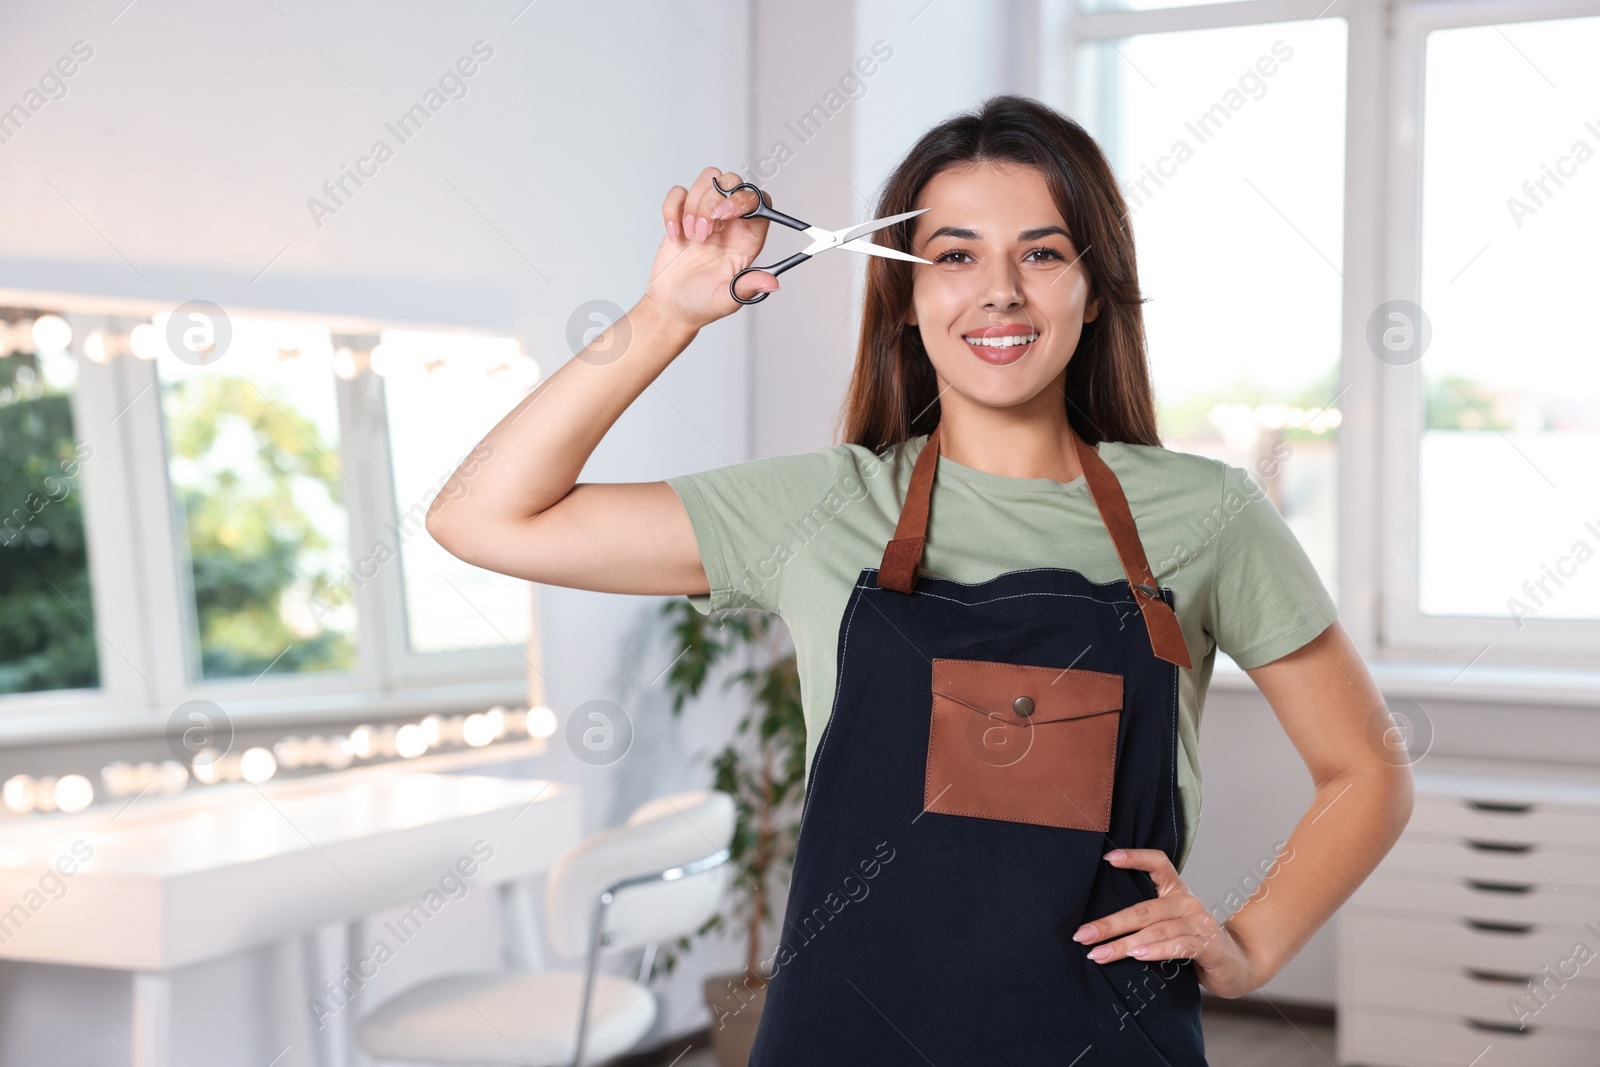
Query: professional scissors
point(852, 237)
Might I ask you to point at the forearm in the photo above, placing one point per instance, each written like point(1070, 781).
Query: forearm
point(1352, 822)
point(533, 456)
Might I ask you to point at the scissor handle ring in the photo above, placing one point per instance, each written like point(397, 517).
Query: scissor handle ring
point(760, 196)
point(733, 290)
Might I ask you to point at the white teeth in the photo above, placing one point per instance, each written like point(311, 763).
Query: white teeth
point(1002, 342)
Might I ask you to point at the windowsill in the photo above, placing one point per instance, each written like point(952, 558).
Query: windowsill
point(47, 726)
point(1422, 679)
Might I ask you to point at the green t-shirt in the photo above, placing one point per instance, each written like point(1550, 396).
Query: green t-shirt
point(791, 534)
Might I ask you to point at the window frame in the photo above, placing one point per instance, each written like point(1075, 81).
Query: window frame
point(1406, 628)
point(142, 619)
point(1380, 433)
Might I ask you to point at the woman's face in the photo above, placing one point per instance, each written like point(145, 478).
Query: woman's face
point(1004, 271)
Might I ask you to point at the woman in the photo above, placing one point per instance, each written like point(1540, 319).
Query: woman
point(1001, 694)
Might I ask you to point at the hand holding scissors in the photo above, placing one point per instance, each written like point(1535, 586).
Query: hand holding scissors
point(852, 237)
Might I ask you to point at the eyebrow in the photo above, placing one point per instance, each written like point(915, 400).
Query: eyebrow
point(963, 233)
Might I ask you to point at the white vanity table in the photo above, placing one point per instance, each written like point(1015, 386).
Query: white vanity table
point(173, 881)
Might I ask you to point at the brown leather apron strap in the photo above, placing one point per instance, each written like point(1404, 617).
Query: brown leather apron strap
point(1166, 636)
point(898, 571)
point(901, 556)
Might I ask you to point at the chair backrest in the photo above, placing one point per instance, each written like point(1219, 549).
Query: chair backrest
point(668, 832)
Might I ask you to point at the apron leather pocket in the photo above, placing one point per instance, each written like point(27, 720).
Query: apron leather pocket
point(1023, 744)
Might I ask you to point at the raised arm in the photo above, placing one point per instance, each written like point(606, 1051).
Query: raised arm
point(515, 506)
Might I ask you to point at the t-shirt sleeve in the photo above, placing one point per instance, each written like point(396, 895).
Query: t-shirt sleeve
point(1267, 599)
point(744, 517)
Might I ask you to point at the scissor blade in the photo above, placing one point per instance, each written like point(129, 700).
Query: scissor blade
point(865, 244)
point(876, 224)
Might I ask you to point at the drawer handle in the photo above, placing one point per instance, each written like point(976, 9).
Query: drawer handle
point(1498, 976)
point(1506, 806)
point(1498, 846)
point(1499, 928)
point(1501, 1028)
point(1499, 887)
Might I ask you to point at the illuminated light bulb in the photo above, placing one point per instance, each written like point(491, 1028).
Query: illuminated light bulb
point(344, 364)
point(384, 361)
point(74, 792)
point(18, 794)
point(542, 722)
point(144, 342)
point(411, 741)
point(477, 730)
point(171, 776)
point(120, 778)
point(516, 721)
point(336, 753)
point(291, 752)
point(206, 769)
point(44, 795)
point(432, 729)
point(497, 721)
point(51, 333)
point(257, 765)
point(95, 347)
point(362, 742)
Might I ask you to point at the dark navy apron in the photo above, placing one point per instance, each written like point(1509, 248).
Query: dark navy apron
point(988, 744)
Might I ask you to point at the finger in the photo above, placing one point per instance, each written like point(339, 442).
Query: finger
point(1142, 944)
point(698, 204)
point(1183, 947)
point(757, 281)
point(740, 203)
point(1135, 917)
point(672, 211)
point(1151, 860)
point(705, 200)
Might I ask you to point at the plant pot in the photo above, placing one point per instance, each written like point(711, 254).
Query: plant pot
point(735, 1006)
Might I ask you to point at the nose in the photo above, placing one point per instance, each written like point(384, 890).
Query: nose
point(1002, 291)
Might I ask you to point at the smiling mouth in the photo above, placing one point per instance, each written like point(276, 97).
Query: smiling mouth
point(1001, 347)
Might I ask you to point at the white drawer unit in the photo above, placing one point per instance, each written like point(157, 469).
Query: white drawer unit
point(1477, 939)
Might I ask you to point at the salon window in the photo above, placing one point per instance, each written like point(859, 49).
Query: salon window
point(1229, 147)
point(1416, 403)
point(244, 522)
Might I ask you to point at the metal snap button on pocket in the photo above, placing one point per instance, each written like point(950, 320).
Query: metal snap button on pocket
point(1023, 706)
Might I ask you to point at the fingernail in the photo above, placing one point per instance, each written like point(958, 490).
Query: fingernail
point(672, 228)
point(702, 226)
point(688, 225)
point(1099, 953)
point(1138, 950)
point(1085, 933)
point(1116, 854)
point(722, 210)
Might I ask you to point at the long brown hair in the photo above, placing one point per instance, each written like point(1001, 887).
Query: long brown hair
point(893, 392)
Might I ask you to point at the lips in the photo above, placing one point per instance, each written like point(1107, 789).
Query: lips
point(999, 345)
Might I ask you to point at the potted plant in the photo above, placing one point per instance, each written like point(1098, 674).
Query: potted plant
point(763, 769)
